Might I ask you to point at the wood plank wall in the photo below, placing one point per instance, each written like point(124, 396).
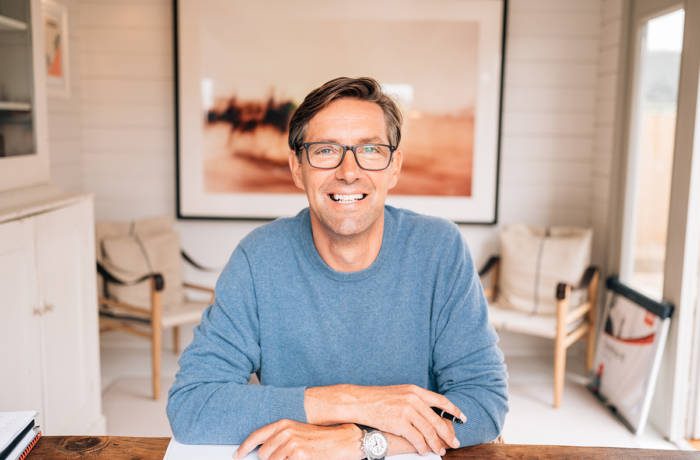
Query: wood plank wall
point(559, 108)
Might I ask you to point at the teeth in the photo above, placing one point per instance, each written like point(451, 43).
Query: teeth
point(347, 198)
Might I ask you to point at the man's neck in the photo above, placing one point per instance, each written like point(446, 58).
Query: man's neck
point(352, 253)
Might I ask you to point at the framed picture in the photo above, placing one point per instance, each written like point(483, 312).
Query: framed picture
point(56, 48)
point(243, 67)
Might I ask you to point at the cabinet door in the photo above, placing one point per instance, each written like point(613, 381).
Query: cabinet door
point(20, 356)
point(66, 274)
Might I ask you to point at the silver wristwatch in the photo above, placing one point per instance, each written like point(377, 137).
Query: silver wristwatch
point(374, 444)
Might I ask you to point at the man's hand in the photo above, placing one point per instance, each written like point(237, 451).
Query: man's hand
point(287, 439)
point(403, 410)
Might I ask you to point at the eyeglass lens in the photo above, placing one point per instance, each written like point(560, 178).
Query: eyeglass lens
point(329, 155)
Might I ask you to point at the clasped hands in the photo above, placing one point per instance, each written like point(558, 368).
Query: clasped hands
point(402, 412)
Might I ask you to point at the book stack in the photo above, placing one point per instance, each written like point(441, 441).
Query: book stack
point(19, 432)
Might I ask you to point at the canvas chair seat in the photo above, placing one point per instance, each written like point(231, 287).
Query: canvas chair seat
point(185, 312)
point(504, 318)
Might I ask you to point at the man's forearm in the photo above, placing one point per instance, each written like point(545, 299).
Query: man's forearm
point(330, 405)
point(197, 412)
point(400, 412)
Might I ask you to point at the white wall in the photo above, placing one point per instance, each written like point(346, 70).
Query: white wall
point(65, 147)
point(557, 138)
point(608, 122)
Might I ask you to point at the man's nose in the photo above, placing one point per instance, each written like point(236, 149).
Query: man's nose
point(348, 169)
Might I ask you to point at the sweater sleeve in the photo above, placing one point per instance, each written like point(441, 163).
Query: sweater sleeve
point(468, 366)
point(211, 401)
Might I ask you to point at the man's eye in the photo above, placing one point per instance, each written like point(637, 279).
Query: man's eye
point(370, 149)
point(324, 151)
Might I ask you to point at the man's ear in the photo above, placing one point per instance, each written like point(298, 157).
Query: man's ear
point(295, 168)
point(395, 167)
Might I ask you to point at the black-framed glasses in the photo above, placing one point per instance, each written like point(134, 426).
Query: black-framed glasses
point(329, 155)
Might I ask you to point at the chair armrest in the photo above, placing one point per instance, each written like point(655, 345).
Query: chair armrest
point(584, 284)
point(124, 317)
point(159, 282)
point(198, 287)
point(111, 304)
point(489, 265)
point(195, 264)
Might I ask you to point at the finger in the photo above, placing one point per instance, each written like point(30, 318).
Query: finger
point(428, 432)
point(430, 418)
point(283, 451)
point(256, 438)
point(412, 435)
point(441, 402)
point(273, 443)
point(443, 428)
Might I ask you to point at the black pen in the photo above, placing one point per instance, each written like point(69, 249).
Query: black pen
point(447, 415)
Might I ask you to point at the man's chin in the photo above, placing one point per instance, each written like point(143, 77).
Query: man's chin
point(348, 224)
point(347, 228)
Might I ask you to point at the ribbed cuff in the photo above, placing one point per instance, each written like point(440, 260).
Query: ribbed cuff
point(286, 403)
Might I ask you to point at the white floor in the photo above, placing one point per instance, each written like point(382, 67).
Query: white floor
point(581, 420)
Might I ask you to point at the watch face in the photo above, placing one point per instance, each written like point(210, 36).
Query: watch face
point(376, 444)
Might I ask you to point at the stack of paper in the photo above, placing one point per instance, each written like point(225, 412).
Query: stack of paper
point(177, 451)
point(18, 434)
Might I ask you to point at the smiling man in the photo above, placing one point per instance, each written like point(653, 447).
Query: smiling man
point(358, 318)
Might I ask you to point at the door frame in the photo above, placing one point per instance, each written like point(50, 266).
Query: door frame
point(670, 411)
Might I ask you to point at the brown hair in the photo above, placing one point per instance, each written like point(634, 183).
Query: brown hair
point(364, 88)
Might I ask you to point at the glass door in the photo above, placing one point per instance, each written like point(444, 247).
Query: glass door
point(653, 108)
point(660, 210)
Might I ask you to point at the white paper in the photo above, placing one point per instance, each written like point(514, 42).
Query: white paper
point(178, 451)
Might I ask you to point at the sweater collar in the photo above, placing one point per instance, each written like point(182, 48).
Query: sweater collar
point(309, 248)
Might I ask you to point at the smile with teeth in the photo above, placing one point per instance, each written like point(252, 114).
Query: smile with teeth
point(347, 198)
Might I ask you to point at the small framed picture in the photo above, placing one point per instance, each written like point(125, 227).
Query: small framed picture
point(56, 48)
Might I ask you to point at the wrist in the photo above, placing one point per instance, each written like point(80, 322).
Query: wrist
point(399, 445)
point(329, 405)
point(357, 435)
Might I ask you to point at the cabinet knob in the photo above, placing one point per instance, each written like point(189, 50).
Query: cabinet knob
point(37, 312)
point(48, 308)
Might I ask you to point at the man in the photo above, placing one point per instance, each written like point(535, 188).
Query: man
point(357, 317)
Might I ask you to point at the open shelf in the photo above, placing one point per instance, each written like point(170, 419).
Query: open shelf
point(11, 24)
point(15, 106)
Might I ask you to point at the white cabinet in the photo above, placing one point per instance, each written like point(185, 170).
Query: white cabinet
point(24, 154)
point(49, 352)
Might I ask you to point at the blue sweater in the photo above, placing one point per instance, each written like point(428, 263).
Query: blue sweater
point(417, 315)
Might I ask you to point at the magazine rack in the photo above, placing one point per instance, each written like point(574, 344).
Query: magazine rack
point(629, 353)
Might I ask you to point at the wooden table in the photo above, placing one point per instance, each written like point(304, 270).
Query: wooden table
point(116, 447)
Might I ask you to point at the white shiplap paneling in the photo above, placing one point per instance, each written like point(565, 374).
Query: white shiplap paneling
point(64, 116)
point(128, 107)
point(561, 72)
point(607, 123)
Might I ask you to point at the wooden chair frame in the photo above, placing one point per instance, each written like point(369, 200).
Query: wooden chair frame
point(144, 322)
point(566, 316)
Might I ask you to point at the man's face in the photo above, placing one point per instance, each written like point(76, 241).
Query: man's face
point(346, 121)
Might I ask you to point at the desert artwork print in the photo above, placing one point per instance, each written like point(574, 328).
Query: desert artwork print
point(249, 94)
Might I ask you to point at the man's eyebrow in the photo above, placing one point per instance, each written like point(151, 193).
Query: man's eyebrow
point(364, 140)
point(374, 139)
point(327, 140)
